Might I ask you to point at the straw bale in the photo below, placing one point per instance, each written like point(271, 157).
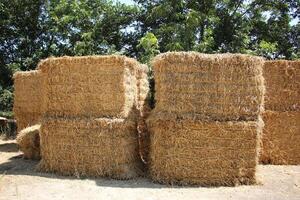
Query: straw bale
point(29, 142)
point(28, 97)
point(208, 153)
point(217, 87)
point(27, 119)
point(90, 147)
point(90, 86)
point(143, 107)
point(282, 85)
point(281, 138)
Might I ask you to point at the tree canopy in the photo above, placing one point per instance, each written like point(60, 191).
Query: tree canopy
point(31, 30)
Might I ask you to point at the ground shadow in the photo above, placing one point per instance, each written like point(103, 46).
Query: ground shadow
point(9, 147)
point(16, 165)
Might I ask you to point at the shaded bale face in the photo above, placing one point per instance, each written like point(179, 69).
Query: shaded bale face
point(143, 89)
point(281, 138)
point(85, 147)
point(29, 142)
point(90, 86)
point(29, 93)
point(282, 79)
point(217, 87)
point(203, 153)
point(143, 107)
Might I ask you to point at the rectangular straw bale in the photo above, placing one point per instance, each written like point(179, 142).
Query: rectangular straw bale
point(208, 153)
point(217, 87)
point(28, 97)
point(282, 79)
point(90, 147)
point(27, 119)
point(90, 86)
point(281, 138)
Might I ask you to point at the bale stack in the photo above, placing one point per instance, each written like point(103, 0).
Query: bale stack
point(28, 98)
point(281, 134)
point(89, 128)
point(205, 128)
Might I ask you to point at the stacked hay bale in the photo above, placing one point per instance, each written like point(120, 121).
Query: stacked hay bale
point(89, 128)
point(281, 134)
point(205, 128)
point(28, 98)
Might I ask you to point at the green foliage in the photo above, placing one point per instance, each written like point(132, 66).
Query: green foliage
point(6, 99)
point(266, 49)
point(149, 47)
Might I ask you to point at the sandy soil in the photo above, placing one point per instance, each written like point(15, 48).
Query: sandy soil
point(18, 180)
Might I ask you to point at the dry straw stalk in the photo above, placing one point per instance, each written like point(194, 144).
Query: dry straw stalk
point(90, 86)
point(28, 98)
point(90, 147)
point(208, 153)
point(281, 138)
point(29, 142)
point(144, 110)
point(218, 87)
point(282, 85)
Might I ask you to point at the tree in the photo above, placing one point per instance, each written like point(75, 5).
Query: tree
point(31, 30)
point(149, 48)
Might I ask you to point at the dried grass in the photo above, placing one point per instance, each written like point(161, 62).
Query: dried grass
point(281, 138)
point(90, 86)
point(90, 147)
point(28, 98)
point(217, 87)
point(208, 153)
point(282, 85)
point(144, 109)
point(29, 142)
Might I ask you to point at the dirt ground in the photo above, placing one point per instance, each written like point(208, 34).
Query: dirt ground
point(18, 180)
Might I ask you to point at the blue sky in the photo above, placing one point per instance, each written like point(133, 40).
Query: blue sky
point(126, 1)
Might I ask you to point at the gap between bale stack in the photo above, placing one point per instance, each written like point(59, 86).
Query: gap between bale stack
point(90, 147)
point(144, 109)
point(208, 153)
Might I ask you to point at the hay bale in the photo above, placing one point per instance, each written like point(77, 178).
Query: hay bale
point(281, 138)
point(90, 86)
point(282, 79)
point(29, 142)
point(28, 98)
point(90, 147)
point(216, 87)
point(208, 153)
